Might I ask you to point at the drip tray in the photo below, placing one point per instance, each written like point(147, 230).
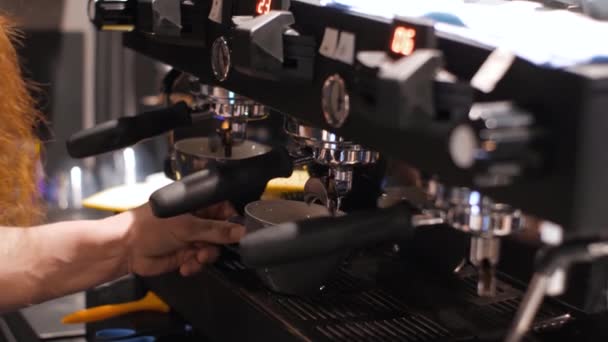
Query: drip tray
point(383, 302)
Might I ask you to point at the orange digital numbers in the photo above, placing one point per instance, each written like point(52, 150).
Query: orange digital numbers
point(263, 6)
point(404, 41)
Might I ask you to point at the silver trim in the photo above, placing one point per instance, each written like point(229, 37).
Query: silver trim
point(335, 101)
point(221, 60)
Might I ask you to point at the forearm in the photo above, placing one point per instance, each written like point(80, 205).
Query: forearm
point(45, 262)
point(41, 263)
point(17, 286)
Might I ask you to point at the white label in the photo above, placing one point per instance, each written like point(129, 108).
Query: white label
point(216, 11)
point(346, 48)
point(338, 45)
point(330, 42)
point(493, 70)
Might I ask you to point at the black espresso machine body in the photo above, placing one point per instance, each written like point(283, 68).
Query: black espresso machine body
point(530, 137)
point(421, 140)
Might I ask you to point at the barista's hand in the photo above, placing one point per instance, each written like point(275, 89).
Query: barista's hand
point(187, 243)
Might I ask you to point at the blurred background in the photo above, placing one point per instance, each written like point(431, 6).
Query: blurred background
point(86, 78)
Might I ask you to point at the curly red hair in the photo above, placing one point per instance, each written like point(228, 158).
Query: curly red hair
point(19, 146)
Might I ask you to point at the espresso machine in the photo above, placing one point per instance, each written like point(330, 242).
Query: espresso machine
point(483, 215)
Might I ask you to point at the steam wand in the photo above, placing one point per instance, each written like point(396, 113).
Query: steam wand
point(550, 261)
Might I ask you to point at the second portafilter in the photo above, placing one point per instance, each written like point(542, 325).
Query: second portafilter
point(202, 104)
point(233, 112)
point(338, 154)
point(484, 220)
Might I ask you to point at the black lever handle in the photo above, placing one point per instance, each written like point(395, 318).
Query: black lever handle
point(224, 182)
point(296, 241)
point(123, 132)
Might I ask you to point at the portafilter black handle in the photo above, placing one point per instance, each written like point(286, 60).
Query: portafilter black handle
point(225, 182)
point(298, 241)
point(126, 131)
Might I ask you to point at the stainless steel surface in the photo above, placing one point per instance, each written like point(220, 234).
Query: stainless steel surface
point(528, 308)
point(354, 155)
point(261, 214)
point(313, 135)
point(471, 212)
point(315, 191)
point(221, 61)
point(45, 319)
point(208, 148)
point(196, 154)
point(484, 255)
point(335, 101)
point(427, 219)
point(436, 193)
point(484, 249)
point(500, 115)
point(329, 148)
point(486, 221)
point(340, 184)
point(225, 103)
point(233, 110)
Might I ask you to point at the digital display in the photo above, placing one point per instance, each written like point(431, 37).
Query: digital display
point(263, 6)
point(410, 34)
point(404, 40)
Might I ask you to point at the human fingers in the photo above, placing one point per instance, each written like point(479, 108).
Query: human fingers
point(220, 211)
point(204, 255)
point(225, 211)
point(207, 255)
point(202, 230)
point(190, 268)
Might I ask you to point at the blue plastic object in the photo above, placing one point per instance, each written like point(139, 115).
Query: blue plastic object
point(139, 339)
point(122, 335)
point(112, 334)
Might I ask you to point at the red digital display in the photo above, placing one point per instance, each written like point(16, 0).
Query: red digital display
point(404, 40)
point(263, 6)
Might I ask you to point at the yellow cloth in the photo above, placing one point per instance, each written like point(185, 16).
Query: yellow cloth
point(127, 197)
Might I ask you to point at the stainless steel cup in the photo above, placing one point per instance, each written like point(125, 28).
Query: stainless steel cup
point(195, 154)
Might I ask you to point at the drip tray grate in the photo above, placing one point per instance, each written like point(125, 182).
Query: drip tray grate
point(350, 312)
point(353, 308)
point(397, 329)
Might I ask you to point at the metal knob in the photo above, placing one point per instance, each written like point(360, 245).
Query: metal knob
point(495, 141)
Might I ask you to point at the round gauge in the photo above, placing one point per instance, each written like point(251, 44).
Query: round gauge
point(335, 101)
point(221, 62)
